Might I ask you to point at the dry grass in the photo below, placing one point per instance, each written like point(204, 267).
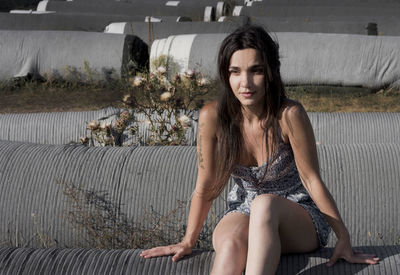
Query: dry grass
point(346, 99)
point(31, 97)
point(34, 97)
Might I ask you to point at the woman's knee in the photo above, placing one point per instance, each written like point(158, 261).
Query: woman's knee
point(231, 236)
point(231, 243)
point(266, 208)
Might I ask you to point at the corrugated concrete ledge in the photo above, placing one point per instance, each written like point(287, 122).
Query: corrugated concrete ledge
point(82, 261)
point(363, 179)
point(65, 127)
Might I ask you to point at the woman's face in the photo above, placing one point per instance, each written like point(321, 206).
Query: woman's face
point(246, 77)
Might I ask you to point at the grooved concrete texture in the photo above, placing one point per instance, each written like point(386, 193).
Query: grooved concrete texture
point(66, 127)
point(85, 261)
point(363, 179)
point(49, 128)
point(63, 54)
point(306, 58)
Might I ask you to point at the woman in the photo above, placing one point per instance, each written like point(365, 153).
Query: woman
point(279, 203)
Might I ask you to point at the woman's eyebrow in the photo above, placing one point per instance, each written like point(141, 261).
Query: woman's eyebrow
point(255, 66)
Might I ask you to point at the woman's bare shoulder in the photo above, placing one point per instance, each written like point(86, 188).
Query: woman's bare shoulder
point(291, 108)
point(209, 113)
point(292, 112)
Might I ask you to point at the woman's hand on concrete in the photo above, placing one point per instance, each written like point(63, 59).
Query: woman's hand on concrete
point(177, 250)
point(344, 251)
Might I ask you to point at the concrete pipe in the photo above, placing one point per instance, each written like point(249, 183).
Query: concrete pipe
point(347, 128)
point(361, 177)
point(313, 10)
point(321, 3)
point(65, 127)
point(76, 261)
point(68, 127)
point(222, 8)
point(63, 54)
point(197, 12)
point(384, 25)
point(306, 58)
point(329, 128)
point(50, 128)
point(121, 172)
point(63, 22)
point(301, 25)
point(191, 51)
point(161, 30)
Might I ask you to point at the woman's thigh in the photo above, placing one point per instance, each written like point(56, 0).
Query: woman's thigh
point(233, 227)
point(296, 228)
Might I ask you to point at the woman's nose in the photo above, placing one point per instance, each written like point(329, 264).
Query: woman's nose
point(244, 79)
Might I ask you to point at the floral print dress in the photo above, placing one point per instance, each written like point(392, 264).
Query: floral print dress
point(282, 179)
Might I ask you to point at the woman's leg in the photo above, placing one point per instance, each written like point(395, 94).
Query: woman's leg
point(230, 244)
point(277, 226)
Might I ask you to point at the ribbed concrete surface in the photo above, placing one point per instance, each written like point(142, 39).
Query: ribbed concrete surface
point(362, 178)
point(49, 128)
point(340, 128)
point(137, 178)
point(64, 127)
point(81, 261)
point(329, 128)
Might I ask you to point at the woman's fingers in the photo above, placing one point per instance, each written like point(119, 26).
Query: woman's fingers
point(157, 251)
point(177, 250)
point(363, 259)
point(178, 255)
point(356, 257)
point(360, 253)
point(366, 256)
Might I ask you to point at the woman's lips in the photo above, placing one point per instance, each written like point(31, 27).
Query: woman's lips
point(247, 94)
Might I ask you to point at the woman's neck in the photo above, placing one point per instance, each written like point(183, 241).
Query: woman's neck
point(252, 114)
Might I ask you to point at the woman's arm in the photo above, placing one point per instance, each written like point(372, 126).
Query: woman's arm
point(200, 205)
point(296, 127)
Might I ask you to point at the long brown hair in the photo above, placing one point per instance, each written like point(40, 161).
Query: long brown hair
point(230, 138)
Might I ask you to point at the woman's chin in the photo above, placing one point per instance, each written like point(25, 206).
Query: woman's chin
point(251, 103)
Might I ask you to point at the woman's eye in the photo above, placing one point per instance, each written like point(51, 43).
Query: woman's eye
point(258, 71)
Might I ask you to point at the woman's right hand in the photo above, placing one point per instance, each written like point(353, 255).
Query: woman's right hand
point(178, 250)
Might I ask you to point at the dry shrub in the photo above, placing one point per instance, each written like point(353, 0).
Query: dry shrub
point(108, 228)
point(168, 107)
